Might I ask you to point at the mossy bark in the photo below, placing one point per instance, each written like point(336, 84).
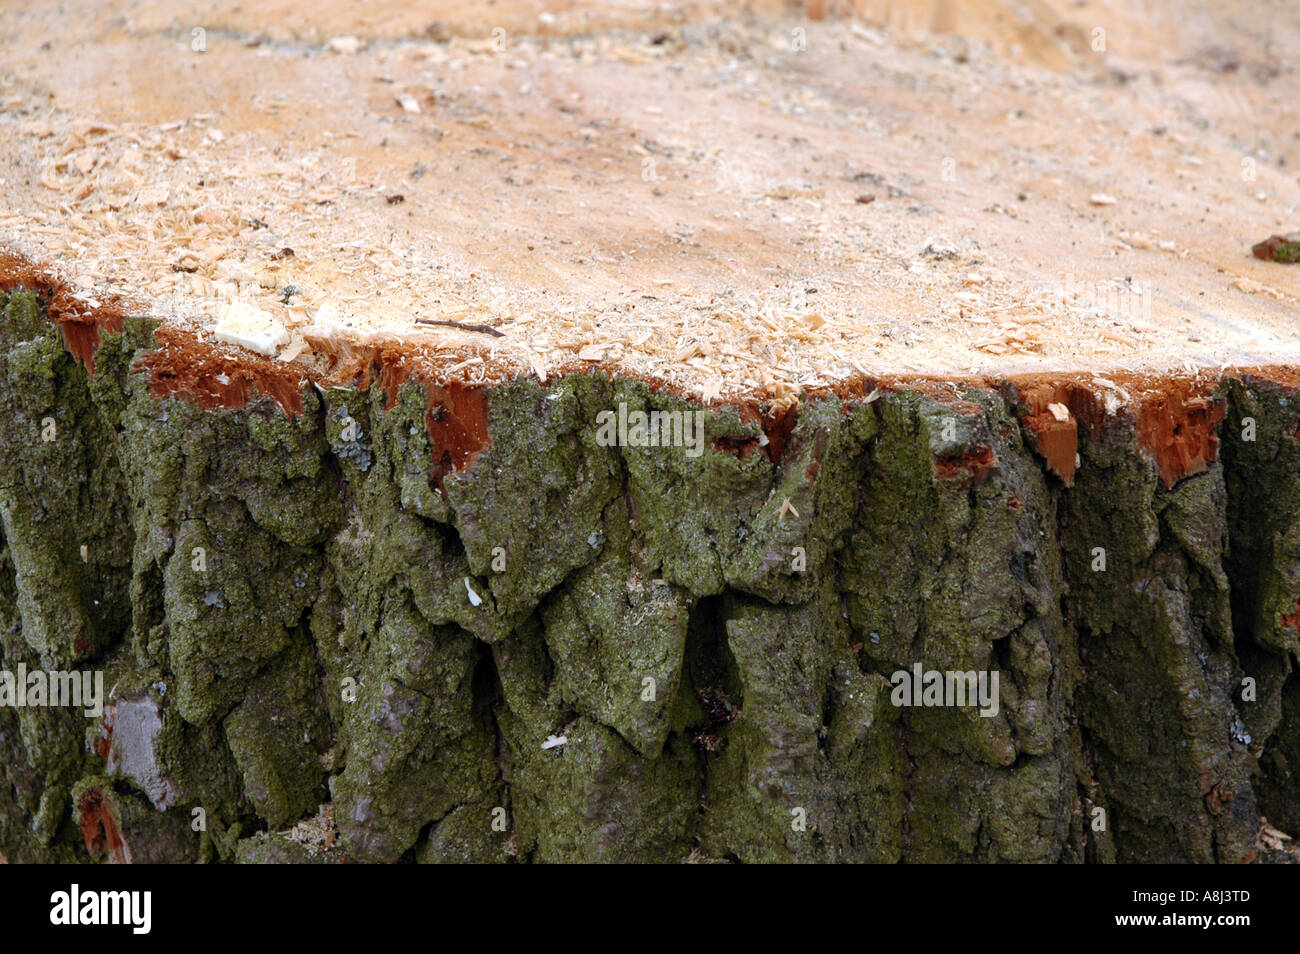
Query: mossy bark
point(297, 612)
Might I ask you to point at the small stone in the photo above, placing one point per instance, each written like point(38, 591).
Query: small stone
point(938, 250)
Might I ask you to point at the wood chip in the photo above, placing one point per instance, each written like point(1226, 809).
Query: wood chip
point(153, 195)
point(346, 45)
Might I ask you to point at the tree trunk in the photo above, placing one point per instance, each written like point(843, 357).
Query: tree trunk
point(434, 624)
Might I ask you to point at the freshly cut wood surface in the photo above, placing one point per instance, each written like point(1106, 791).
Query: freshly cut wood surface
point(732, 201)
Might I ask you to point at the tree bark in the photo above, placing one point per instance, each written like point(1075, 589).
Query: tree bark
point(456, 626)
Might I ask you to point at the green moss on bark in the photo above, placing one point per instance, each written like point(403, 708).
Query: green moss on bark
point(292, 610)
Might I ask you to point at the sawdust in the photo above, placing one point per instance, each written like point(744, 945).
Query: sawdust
point(663, 192)
point(318, 834)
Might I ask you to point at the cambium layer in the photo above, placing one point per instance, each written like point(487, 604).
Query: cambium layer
point(281, 602)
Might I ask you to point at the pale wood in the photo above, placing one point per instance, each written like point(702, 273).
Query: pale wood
point(730, 203)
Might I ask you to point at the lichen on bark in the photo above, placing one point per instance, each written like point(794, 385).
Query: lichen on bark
point(543, 648)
